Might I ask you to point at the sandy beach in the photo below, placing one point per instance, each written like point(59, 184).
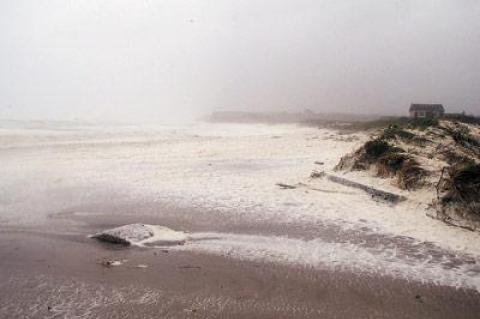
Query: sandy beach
point(254, 250)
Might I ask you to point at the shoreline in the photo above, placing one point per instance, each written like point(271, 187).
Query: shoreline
point(56, 269)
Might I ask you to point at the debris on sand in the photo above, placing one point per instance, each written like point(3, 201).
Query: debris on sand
point(375, 193)
point(190, 267)
point(141, 266)
point(190, 310)
point(317, 174)
point(142, 235)
point(308, 187)
point(286, 186)
point(112, 263)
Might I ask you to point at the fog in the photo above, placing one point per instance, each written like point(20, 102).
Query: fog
point(168, 61)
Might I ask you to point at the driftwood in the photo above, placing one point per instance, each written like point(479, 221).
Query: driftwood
point(286, 186)
point(375, 193)
point(308, 187)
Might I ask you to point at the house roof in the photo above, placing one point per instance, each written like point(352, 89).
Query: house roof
point(427, 107)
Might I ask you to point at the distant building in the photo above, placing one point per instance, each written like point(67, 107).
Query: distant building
point(426, 110)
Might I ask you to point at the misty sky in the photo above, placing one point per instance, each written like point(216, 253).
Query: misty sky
point(168, 60)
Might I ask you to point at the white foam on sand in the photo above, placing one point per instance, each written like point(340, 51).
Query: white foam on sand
point(229, 169)
point(317, 253)
point(163, 236)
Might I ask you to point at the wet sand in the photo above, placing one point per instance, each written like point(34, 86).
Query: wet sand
point(50, 275)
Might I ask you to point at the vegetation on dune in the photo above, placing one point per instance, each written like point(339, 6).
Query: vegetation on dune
point(463, 138)
point(367, 155)
point(395, 131)
point(376, 148)
point(365, 124)
point(451, 157)
point(411, 175)
point(462, 184)
point(378, 124)
point(412, 153)
point(408, 172)
point(389, 161)
point(458, 196)
point(393, 122)
point(422, 124)
point(462, 118)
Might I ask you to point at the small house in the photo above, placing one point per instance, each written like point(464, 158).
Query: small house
point(426, 110)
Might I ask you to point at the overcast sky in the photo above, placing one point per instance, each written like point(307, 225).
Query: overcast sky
point(169, 60)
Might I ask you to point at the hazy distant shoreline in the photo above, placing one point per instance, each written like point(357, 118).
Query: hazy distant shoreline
point(306, 117)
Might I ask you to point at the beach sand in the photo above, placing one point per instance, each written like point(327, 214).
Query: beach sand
point(62, 276)
point(254, 250)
